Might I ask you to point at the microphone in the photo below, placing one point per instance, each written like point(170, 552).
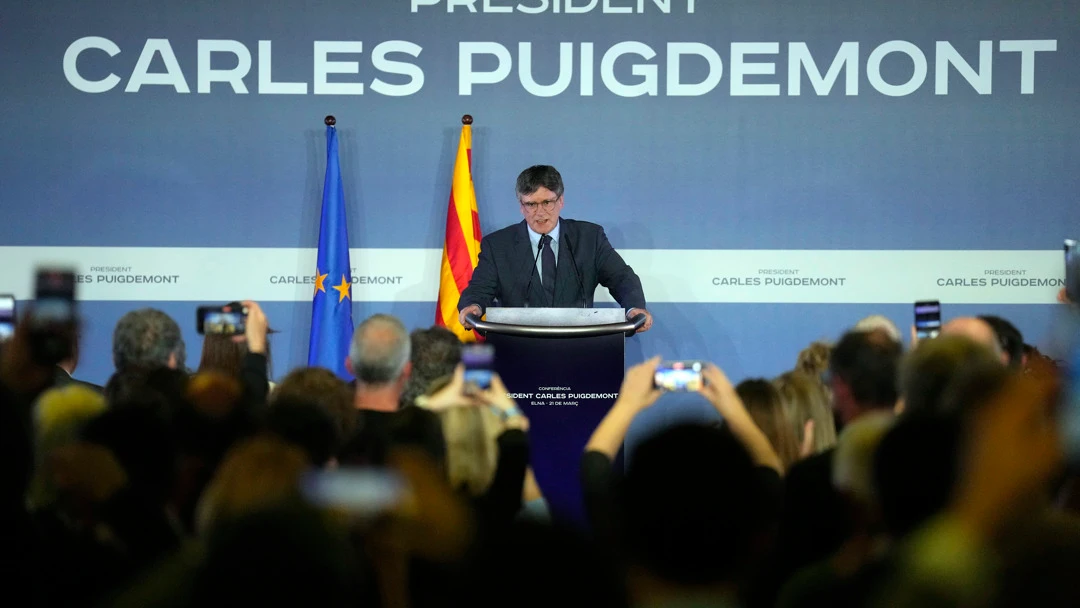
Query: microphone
point(581, 285)
point(539, 248)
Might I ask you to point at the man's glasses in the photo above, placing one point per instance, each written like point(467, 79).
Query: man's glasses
point(547, 205)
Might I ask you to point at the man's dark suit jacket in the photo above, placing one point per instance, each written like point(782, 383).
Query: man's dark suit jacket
point(61, 379)
point(506, 263)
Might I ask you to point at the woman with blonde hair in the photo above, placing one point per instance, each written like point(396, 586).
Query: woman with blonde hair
point(766, 408)
point(814, 359)
point(806, 407)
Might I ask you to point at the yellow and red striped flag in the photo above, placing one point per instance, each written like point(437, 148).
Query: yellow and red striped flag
point(462, 246)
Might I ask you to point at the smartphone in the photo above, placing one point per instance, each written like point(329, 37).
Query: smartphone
point(927, 319)
point(52, 316)
point(479, 360)
point(7, 317)
point(215, 320)
point(1072, 271)
point(679, 376)
point(357, 490)
point(54, 298)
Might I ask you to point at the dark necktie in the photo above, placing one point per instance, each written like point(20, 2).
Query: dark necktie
point(547, 264)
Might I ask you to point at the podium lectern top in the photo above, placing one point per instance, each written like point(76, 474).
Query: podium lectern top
point(557, 322)
point(552, 317)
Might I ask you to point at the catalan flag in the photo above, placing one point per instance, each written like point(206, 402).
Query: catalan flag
point(331, 304)
point(461, 250)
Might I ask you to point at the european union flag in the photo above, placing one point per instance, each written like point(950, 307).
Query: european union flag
point(331, 309)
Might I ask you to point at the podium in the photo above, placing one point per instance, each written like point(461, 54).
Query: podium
point(564, 367)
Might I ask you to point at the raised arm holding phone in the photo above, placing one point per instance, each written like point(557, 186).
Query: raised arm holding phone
point(501, 501)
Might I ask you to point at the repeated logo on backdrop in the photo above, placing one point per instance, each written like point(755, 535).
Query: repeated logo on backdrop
point(411, 275)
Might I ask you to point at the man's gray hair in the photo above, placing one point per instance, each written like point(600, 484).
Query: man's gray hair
point(379, 350)
point(880, 322)
point(147, 338)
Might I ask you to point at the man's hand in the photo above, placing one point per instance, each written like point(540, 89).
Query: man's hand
point(471, 309)
point(256, 328)
point(638, 392)
point(1063, 296)
point(641, 311)
point(638, 388)
point(719, 390)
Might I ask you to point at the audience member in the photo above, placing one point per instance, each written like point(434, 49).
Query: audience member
point(978, 330)
point(320, 389)
point(603, 507)
point(379, 359)
point(65, 370)
point(763, 402)
point(927, 370)
point(685, 538)
point(808, 409)
point(227, 354)
point(434, 352)
point(256, 474)
point(814, 524)
point(174, 489)
point(814, 359)
point(1009, 339)
point(828, 582)
point(487, 448)
point(147, 338)
point(879, 323)
point(59, 417)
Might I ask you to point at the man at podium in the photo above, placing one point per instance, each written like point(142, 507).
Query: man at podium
point(545, 261)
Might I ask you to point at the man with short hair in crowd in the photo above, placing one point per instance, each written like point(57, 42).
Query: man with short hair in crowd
point(435, 351)
point(927, 371)
point(148, 338)
point(979, 330)
point(379, 359)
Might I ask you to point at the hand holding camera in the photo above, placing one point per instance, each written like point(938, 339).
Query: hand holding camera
point(242, 321)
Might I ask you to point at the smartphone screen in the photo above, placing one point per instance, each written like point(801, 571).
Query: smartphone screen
point(679, 376)
point(358, 490)
point(54, 298)
point(927, 319)
point(214, 320)
point(1072, 270)
point(479, 360)
point(7, 317)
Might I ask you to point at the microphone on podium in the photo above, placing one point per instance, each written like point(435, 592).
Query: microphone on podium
point(539, 248)
point(581, 285)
